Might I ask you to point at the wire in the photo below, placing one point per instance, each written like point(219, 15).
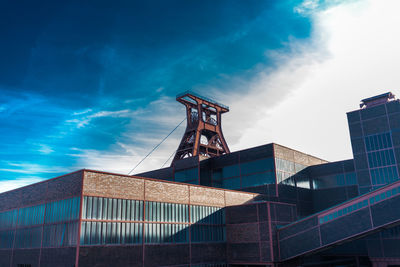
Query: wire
point(156, 146)
point(168, 159)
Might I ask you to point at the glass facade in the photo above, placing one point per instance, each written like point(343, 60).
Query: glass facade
point(246, 174)
point(288, 172)
point(207, 224)
point(56, 221)
point(373, 132)
point(378, 141)
point(190, 176)
point(100, 208)
point(381, 159)
point(166, 233)
point(384, 195)
point(123, 221)
point(390, 192)
point(334, 180)
point(344, 211)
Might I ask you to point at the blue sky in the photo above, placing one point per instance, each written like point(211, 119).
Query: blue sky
point(86, 85)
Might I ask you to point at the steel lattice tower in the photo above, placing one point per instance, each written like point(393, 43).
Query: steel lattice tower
point(203, 135)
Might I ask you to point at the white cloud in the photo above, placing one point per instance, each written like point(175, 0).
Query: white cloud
point(302, 104)
point(17, 183)
point(45, 149)
point(85, 120)
point(82, 112)
point(31, 168)
point(106, 161)
point(306, 6)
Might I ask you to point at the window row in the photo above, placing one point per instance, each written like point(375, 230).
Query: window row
point(344, 211)
point(258, 179)
point(28, 237)
point(288, 166)
point(55, 235)
point(385, 195)
point(257, 166)
point(52, 212)
point(99, 208)
point(31, 215)
point(207, 215)
point(261, 165)
point(63, 210)
point(378, 141)
point(226, 172)
point(60, 235)
point(132, 210)
point(232, 183)
point(285, 165)
point(246, 181)
point(187, 175)
point(384, 175)
point(8, 219)
point(6, 238)
point(166, 233)
point(166, 212)
point(381, 158)
point(282, 176)
point(100, 233)
point(335, 180)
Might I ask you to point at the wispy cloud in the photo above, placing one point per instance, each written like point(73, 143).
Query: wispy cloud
point(104, 160)
point(82, 112)
point(85, 120)
point(45, 149)
point(8, 185)
point(306, 6)
point(32, 168)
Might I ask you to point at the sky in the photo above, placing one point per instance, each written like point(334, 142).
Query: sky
point(93, 85)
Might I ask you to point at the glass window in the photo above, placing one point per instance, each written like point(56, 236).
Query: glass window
point(7, 238)
point(257, 166)
point(8, 219)
point(31, 215)
point(28, 237)
point(258, 179)
point(187, 175)
point(378, 141)
point(233, 183)
point(230, 171)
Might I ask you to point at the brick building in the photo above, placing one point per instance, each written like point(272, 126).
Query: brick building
point(264, 206)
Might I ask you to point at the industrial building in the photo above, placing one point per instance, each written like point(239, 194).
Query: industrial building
point(263, 206)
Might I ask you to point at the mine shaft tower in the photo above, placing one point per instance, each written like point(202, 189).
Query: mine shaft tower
point(203, 136)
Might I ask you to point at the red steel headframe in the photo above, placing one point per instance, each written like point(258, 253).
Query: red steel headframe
point(203, 135)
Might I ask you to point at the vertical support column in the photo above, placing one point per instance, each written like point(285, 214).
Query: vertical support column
point(144, 224)
point(44, 217)
point(78, 240)
point(189, 230)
